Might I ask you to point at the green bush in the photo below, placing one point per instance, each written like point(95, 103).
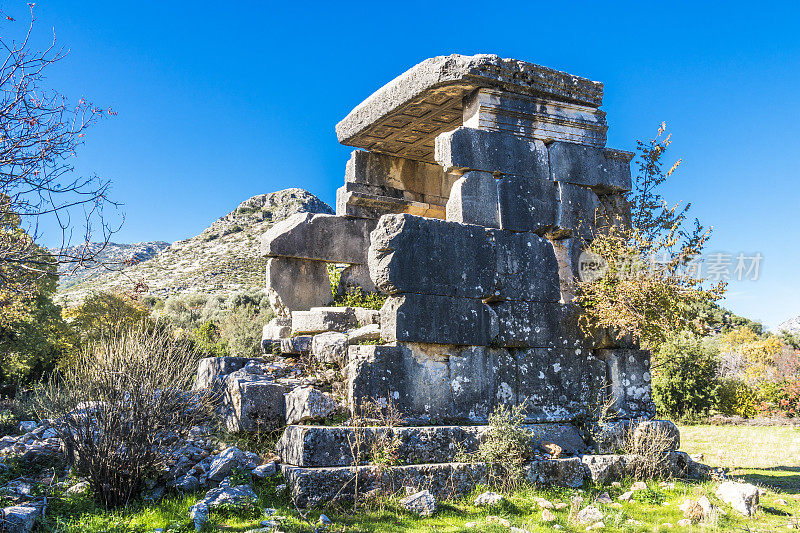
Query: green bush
point(737, 398)
point(685, 379)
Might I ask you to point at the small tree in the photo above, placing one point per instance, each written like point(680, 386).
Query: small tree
point(685, 381)
point(123, 408)
point(39, 134)
point(648, 288)
point(105, 312)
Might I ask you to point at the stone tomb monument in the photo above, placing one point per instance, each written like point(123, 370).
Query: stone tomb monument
point(476, 182)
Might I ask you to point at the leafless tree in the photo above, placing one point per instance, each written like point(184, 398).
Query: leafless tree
point(40, 132)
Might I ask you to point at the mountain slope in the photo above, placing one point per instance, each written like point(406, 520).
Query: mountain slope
point(791, 326)
point(223, 258)
point(112, 256)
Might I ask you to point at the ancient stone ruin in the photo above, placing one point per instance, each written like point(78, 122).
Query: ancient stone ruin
point(475, 185)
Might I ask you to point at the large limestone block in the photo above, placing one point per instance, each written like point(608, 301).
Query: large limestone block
point(465, 149)
point(322, 319)
point(629, 377)
point(423, 256)
point(420, 181)
point(427, 256)
point(438, 319)
point(319, 446)
point(603, 170)
point(364, 201)
point(331, 238)
point(296, 285)
point(555, 384)
point(254, 406)
point(535, 117)
point(354, 277)
point(316, 486)
point(329, 347)
point(576, 212)
point(307, 404)
point(473, 200)
point(526, 203)
point(526, 267)
point(404, 116)
point(432, 382)
point(568, 472)
point(523, 324)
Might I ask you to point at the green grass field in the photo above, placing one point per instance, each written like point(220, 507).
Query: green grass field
point(767, 456)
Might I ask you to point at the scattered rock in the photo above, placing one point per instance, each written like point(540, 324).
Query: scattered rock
point(780, 501)
point(560, 505)
point(488, 499)
point(590, 515)
point(551, 448)
point(743, 497)
point(19, 518)
point(684, 522)
point(544, 504)
point(230, 497)
point(547, 515)
point(596, 525)
point(306, 404)
point(187, 483)
point(692, 511)
point(26, 426)
point(498, 520)
point(78, 488)
point(626, 496)
point(639, 485)
point(604, 498)
point(422, 503)
point(266, 470)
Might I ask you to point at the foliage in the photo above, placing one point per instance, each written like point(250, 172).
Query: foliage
point(241, 331)
point(716, 319)
point(40, 134)
point(647, 289)
point(737, 398)
point(358, 297)
point(684, 377)
point(749, 357)
point(791, 339)
point(104, 312)
point(33, 335)
point(207, 340)
point(123, 403)
point(781, 398)
point(505, 448)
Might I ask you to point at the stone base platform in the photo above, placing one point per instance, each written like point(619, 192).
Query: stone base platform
point(316, 486)
point(319, 464)
point(323, 446)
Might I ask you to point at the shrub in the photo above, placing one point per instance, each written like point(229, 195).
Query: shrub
point(102, 312)
point(737, 398)
point(124, 407)
point(506, 447)
point(241, 332)
point(685, 376)
point(207, 340)
point(357, 297)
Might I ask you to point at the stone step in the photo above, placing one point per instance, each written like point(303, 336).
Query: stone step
point(326, 446)
point(311, 487)
point(322, 319)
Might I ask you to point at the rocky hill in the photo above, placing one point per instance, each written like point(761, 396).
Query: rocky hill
point(791, 326)
point(223, 258)
point(112, 256)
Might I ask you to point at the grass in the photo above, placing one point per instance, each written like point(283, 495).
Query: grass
point(767, 456)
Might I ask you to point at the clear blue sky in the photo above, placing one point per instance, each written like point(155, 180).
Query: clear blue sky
point(221, 101)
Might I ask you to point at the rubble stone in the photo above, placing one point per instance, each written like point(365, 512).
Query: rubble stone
point(422, 503)
point(322, 319)
point(330, 347)
point(254, 405)
point(743, 497)
point(306, 404)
